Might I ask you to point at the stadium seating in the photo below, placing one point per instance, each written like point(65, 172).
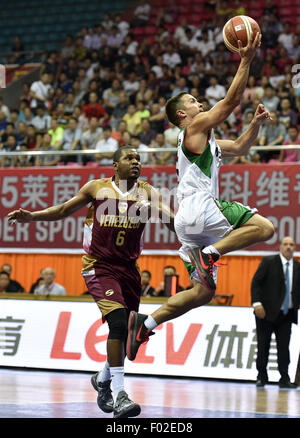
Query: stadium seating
point(44, 24)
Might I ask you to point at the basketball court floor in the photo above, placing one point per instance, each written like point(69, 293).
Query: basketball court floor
point(56, 394)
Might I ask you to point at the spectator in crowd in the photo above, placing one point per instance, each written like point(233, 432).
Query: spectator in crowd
point(160, 289)
point(143, 112)
point(119, 111)
point(180, 86)
point(50, 287)
point(205, 45)
point(21, 133)
point(41, 121)
point(3, 122)
point(162, 158)
point(10, 130)
point(272, 133)
point(271, 29)
point(287, 116)
point(171, 57)
point(47, 160)
point(270, 100)
point(121, 134)
point(82, 120)
point(38, 282)
point(69, 104)
point(68, 47)
point(114, 38)
point(4, 282)
point(171, 133)
point(106, 22)
point(60, 116)
point(41, 92)
point(142, 13)
point(70, 140)
point(294, 50)
point(131, 85)
point(133, 120)
point(90, 138)
point(106, 147)
point(157, 118)
point(215, 91)
point(111, 96)
point(291, 155)
point(33, 139)
point(144, 93)
point(286, 36)
point(4, 108)
point(56, 133)
point(122, 25)
point(13, 286)
point(93, 108)
point(147, 289)
point(9, 146)
point(147, 134)
point(250, 92)
point(145, 156)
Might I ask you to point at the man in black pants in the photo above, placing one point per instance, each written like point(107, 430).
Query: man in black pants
point(275, 296)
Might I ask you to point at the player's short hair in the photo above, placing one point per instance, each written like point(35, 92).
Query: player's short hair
point(172, 105)
point(118, 153)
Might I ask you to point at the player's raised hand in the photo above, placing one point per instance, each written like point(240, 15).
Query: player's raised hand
point(261, 114)
point(249, 51)
point(19, 216)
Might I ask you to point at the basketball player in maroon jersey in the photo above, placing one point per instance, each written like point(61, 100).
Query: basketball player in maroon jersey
point(119, 209)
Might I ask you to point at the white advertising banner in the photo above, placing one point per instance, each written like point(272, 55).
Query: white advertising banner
point(211, 341)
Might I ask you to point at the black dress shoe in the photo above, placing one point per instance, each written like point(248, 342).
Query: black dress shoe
point(287, 385)
point(260, 383)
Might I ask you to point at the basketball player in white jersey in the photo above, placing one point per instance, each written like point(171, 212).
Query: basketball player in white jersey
point(206, 226)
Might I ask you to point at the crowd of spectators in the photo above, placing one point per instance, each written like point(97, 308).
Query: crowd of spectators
point(106, 88)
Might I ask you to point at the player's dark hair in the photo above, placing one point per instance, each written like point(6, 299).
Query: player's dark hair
point(172, 105)
point(118, 153)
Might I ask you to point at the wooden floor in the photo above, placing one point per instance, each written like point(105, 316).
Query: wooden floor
point(44, 394)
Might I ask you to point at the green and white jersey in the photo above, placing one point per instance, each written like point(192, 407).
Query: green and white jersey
point(198, 173)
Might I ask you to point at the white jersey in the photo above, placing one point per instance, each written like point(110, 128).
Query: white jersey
point(198, 172)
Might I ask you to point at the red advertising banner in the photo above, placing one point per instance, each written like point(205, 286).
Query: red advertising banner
point(273, 189)
point(39, 188)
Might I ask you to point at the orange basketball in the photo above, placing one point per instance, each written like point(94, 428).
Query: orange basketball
point(240, 28)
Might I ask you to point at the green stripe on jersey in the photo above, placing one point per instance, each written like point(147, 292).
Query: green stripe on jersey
point(203, 161)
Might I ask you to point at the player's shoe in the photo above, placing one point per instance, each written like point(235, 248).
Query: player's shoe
point(104, 399)
point(124, 407)
point(137, 333)
point(204, 264)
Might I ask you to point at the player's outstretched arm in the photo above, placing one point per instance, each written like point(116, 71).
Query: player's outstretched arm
point(222, 110)
point(249, 138)
point(57, 212)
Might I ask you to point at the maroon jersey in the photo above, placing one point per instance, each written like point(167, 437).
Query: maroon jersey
point(114, 228)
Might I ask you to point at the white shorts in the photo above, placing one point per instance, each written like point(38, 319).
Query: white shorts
point(202, 220)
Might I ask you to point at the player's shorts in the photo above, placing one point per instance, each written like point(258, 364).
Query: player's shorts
point(114, 286)
point(202, 220)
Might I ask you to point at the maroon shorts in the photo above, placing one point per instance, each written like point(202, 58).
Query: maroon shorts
point(118, 283)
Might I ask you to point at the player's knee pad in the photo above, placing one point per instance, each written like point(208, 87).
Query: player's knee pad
point(117, 323)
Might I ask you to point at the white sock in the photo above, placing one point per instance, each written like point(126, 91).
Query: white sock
point(104, 375)
point(211, 250)
point(117, 376)
point(150, 323)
